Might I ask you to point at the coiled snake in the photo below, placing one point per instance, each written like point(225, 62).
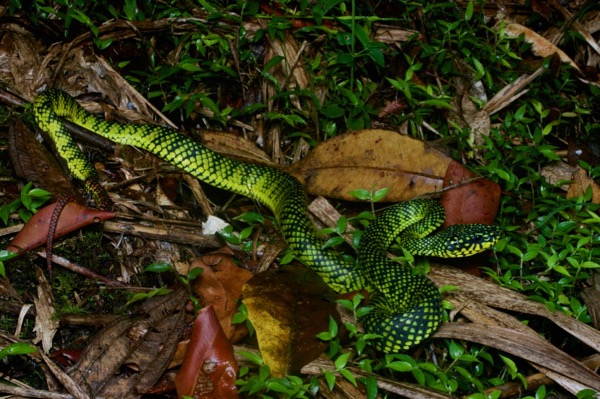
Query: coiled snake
point(406, 307)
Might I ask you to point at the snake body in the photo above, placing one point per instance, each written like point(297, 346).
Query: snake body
point(406, 307)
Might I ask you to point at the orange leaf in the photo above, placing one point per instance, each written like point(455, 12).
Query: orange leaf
point(209, 369)
point(73, 217)
point(220, 286)
point(471, 199)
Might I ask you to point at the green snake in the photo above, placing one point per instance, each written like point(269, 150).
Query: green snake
point(406, 307)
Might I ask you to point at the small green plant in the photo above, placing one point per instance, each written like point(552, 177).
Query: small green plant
point(260, 382)
point(162, 267)
point(27, 204)
point(372, 195)
point(242, 238)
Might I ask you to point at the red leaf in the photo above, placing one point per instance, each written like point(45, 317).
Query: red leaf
point(209, 369)
point(471, 199)
point(73, 217)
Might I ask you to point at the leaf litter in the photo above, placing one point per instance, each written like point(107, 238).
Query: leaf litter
point(162, 318)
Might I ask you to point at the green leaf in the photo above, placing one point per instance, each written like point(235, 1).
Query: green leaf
point(18, 348)
point(342, 360)
point(436, 103)
point(456, 350)
point(361, 194)
point(341, 225)
point(469, 11)
point(502, 174)
point(561, 270)
point(478, 66)
point(347, 374)
point(194, 273)
point(400, 366)
point(333, 241)
point(376, 55)
point(380, 194)
point(371, 387)
point(272, 63)
point(588, 264)
point(510, 365)
point(7, 255)
point(158, 267)
point(252, 357)
point(334, 111)
point(330, 379)
point(333, 327)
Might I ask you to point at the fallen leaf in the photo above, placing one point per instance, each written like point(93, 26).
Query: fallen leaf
point(524, 345)
point(288, 307)
point(235, 146)
point(580, 183)
point(144, 343)
point(33, 162)
point(21, 54)
point(487, 293)
point(591, 299)
point(539, 44)
point(46, 324)
point(470, 199)
point(559, 173)
point(510, 92)
point(220, 286)
point(209, 369)
point(372, 159)
point(73, 217)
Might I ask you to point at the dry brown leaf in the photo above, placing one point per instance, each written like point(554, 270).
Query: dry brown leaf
point(235, 147)
point(392, 34)
point(580, 183)
point(46, 324)
point(479, 313)
point(477, 120)
point(372, 159)
point(220, 286)
point(144, 343)
point(527, 346)
point(33, 162)
point(540, 45)
point(591, 298)
point(498, 297)
point(515, 388)
point(290, 72)
point(19, 59)
point(510, 92)
point(288, 308)
point(558, 172)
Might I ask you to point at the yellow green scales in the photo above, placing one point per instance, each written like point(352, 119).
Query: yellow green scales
point(406, 307)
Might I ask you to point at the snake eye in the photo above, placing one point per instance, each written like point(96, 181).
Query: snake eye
point(477, 237)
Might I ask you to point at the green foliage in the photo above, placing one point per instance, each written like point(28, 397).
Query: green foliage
point(18, 348)
point(27, 204)
point(266, 386)
point(243, 238)
point(162, 267)
point(209, 77)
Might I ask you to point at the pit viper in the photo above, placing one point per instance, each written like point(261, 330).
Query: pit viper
point(407, 308)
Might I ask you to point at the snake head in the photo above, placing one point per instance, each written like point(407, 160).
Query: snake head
point(468, 239)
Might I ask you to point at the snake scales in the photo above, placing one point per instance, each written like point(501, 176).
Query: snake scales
point(406, 307)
